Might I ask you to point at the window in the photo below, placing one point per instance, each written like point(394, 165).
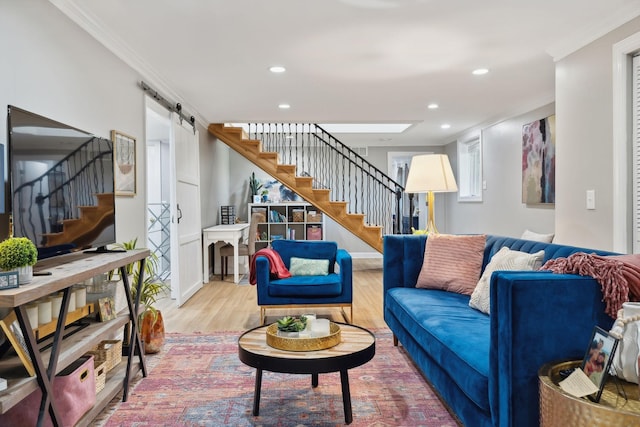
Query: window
point(470, 170)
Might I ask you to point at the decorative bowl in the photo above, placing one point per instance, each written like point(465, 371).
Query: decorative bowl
point(303, 344)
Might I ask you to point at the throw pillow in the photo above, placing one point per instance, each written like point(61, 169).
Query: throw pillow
point(504, 259)
point(452, 263)
point(537, 237)
point(308, 267)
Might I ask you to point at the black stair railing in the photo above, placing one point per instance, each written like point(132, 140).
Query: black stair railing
point(57, 194)
point(334, 166)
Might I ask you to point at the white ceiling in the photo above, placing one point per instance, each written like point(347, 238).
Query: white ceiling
point(351, 61)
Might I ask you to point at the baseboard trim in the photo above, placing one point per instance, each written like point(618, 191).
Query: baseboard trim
point(363, 255)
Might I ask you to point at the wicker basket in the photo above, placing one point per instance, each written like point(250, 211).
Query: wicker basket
point(110, 351)
point(298, 215)
point(99, 369)
point(314, 216)
point(100, 372)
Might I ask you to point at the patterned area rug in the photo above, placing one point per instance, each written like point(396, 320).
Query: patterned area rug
point(198, 380)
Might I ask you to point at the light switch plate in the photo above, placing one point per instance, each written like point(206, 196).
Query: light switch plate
point(591, 199)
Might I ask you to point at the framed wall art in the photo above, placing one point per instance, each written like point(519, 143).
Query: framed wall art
point(124, 154)
point(539, 161)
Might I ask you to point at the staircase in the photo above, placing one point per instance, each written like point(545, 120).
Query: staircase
point(71, 202)
point(87, 227)
point(308, 153)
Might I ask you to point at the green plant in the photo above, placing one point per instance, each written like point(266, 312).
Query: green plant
point(292, 324)
point(17, 252)
point(254, 184)
point(152, 286)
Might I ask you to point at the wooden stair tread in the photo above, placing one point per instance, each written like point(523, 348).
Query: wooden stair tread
point(83, 230)
point(237, 139)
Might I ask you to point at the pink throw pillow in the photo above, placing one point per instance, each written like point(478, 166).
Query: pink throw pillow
point(452, 263)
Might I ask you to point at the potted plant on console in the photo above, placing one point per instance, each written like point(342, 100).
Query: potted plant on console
point(18, 254)
point(150, 321)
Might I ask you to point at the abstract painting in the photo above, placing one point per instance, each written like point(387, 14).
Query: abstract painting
point(539, 161)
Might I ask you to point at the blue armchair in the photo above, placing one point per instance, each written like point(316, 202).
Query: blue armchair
point(332, 290)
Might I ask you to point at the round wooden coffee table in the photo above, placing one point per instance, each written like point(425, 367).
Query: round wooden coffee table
point(358, 346)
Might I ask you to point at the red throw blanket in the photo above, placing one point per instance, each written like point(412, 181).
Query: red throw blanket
point(618, 276)
point(276, 265)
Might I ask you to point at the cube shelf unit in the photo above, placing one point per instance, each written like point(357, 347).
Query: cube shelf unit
point(293, 220)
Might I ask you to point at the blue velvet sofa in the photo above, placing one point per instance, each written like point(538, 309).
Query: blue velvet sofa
point(485, 367)
point(333, 290)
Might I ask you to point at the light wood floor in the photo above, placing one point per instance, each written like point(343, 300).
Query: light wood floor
point(225, 306)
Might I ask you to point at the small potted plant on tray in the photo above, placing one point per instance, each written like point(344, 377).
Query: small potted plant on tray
point(19, 254)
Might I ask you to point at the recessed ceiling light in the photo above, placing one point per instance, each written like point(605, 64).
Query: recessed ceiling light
point(284, 106)
point(445, 126)
point(277, 69)
point(480, 71)
point(433, 106)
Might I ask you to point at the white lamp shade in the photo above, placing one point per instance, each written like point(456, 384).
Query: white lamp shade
point(430, 172)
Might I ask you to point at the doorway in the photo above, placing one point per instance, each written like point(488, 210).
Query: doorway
point(174, 232)
point(158, 137)
point(398, 163)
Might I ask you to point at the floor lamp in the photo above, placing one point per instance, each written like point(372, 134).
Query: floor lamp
point(430, 173)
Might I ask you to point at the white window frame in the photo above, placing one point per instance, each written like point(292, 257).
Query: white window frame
point(623, 210)
point(470, 169)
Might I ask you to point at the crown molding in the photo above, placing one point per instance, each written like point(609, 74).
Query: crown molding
point(119, 48)
point(584, 36)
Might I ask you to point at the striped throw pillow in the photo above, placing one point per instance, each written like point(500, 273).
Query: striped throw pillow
point(452, 263)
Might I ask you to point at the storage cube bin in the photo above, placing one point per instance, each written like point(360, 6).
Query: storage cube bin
point(314, 233)
point(74, 391)
point(298, 215)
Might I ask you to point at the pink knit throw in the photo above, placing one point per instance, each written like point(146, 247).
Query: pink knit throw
point(618, 276)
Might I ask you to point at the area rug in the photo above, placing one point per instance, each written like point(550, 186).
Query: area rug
point(198, 380)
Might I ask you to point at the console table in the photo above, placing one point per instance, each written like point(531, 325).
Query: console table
point(65, 271)
point(228, 233)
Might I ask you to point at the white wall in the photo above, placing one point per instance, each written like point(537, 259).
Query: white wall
point(584, 125)
point(215, 178)
point(501, 211)
point(53, 68)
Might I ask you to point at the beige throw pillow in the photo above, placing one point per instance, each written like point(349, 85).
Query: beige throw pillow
point(504, 259)
point(452, 263)
point(537, 237)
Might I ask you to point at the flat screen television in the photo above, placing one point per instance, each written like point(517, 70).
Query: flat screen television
point(62, 185)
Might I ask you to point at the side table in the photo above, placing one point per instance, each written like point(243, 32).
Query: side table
point(560, 409)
